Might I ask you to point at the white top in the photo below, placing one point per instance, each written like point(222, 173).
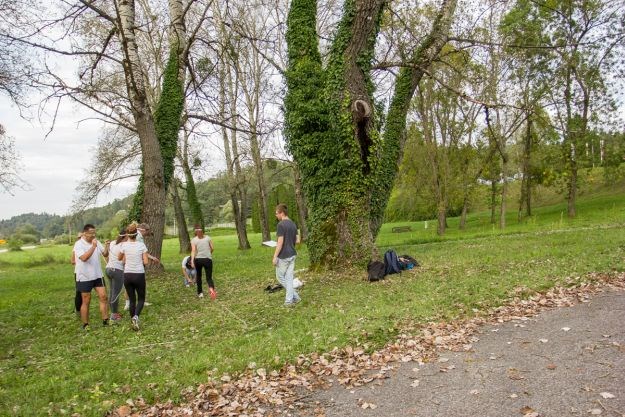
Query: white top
point(203, 249)
point(134, 256)
point(75, 262)
point(91, 269)
point(139, 237)
point(114, 261)
point(184, 261)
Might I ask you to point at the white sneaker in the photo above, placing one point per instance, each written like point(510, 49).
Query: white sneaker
point(201, 295)
point(135, 322)
point(127, 305)
point(145, 303)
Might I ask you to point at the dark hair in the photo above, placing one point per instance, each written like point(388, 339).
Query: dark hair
point(87, 227)
point(281, 208)
point(121, 236)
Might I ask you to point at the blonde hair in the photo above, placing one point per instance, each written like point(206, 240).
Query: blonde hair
point(131, 230)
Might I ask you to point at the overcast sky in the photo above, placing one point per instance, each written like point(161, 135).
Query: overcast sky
point(52, 166)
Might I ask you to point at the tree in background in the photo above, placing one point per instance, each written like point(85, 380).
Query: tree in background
point(9, 165)
point(581, 44)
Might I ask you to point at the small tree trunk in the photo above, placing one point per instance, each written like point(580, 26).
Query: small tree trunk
point(195, 208)
point(493, 200)
point(442, 221)
point(572, 187)
point(526, 181)
point(504, 190)
point(262, 187)
point(183, 232)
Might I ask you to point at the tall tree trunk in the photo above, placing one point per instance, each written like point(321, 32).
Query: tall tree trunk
point(183, 232)
point(262, 186)
point(236, 182)
point(526, 183)
point(569, 145)
point(152, 190)
point(251, 90)
point(504, 191)
point(302, 210)
point(197, 217)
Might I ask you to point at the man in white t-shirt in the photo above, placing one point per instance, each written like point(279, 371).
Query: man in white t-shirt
point(89, 274)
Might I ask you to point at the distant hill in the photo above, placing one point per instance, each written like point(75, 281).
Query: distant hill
point(50, 225)
point(44, 223)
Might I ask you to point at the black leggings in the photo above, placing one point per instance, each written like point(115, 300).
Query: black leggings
point(135, 287)
point(77, 297)
point(207, 264)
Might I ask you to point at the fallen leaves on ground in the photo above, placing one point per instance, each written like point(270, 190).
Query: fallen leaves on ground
point(258, 393)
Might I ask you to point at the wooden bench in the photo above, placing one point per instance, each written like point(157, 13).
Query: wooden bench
point(401, 229)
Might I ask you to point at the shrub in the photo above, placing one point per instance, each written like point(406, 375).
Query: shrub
point(63, 239)
point(28, 238)
point(15, 244)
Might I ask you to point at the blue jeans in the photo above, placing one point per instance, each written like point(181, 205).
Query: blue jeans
point(284, 273)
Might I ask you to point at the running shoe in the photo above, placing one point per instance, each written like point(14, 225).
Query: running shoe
point(135, 322)
point(213, 293)
point(201, 295)
point(86, 327)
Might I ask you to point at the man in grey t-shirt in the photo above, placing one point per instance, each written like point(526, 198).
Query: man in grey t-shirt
point(285, 254)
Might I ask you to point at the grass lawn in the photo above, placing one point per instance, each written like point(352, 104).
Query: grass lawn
point(49, 366)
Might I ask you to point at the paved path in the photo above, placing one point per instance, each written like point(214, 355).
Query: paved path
point(564, 362)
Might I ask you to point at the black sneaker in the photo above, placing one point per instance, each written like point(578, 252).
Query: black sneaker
point(106, 322)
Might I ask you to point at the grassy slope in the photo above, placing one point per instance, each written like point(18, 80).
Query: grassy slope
point(47, 365)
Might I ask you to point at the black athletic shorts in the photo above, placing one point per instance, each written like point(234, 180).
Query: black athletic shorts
point(87, 286)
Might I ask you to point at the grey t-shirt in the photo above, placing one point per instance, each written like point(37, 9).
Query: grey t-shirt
point(203, 249)
point(288, 230)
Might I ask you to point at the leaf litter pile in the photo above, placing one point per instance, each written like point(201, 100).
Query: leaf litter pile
point(259, 393)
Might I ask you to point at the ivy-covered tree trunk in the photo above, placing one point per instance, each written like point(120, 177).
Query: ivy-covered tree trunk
point(333, 127)
point(300, 200)
point(162, 127)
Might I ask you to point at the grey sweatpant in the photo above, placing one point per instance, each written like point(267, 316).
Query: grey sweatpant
point(116, 286)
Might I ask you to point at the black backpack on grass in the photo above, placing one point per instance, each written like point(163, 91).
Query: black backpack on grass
point(376, 271)
point(391, 262)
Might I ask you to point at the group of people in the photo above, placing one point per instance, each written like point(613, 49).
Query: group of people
point(127, 257)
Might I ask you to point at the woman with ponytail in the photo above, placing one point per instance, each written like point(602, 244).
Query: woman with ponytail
point(134, 255)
